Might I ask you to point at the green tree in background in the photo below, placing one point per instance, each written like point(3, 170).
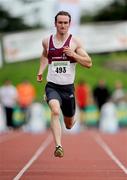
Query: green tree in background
point(115, 11)
point(8, 23)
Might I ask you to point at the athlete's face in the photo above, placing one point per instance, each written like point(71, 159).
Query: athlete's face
point(62, 24)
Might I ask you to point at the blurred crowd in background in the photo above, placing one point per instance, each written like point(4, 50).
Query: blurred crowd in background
point(96, 107)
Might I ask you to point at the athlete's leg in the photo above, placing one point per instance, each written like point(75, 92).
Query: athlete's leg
point(69, 122)
point(55, 123)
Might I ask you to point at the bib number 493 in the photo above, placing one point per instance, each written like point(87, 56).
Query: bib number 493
point(60, 70)
point(61, 67)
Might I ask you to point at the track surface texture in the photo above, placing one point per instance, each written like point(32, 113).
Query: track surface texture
point(89, 155)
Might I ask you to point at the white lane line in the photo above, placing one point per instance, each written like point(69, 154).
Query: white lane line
point(40, 150)
point(109, 152)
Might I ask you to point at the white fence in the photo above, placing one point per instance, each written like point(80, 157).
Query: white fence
point(104, 37)
point(23, 46)
point(96, 38)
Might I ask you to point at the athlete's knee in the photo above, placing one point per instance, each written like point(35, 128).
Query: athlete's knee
point(55, 111)
point(68, 123)
point(68, 126)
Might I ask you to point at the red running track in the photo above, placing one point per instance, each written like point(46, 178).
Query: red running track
point(89, 155)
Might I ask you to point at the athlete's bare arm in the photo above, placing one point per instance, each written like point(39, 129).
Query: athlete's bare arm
point(43, 60)
point(78, 53)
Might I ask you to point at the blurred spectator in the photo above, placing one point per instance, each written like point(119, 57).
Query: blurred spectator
point(101, 93)
point(91, 112)
point(26, 95)
point(118, 94)
point(3, 124)
point(8, 98)
point(36, 118)
point(108, 118)
point(82, 92)
point(119, 98)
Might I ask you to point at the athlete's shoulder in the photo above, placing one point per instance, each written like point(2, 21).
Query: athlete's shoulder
point(76, 39)
point(76, 42)
point(45, 41)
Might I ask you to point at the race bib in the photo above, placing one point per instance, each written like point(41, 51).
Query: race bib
point(61, 67)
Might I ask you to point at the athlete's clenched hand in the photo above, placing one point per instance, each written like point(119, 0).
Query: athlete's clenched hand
point(68, 51)
point(39, 77)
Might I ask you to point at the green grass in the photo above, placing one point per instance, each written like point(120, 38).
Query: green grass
point(28, 69)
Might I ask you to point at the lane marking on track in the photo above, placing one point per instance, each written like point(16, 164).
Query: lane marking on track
point(40, 150)
point(109, 152)
point(10, 137)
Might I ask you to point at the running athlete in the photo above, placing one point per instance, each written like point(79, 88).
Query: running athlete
point(61, 52)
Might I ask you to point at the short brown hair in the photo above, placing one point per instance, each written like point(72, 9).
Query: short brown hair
point(64, 13)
